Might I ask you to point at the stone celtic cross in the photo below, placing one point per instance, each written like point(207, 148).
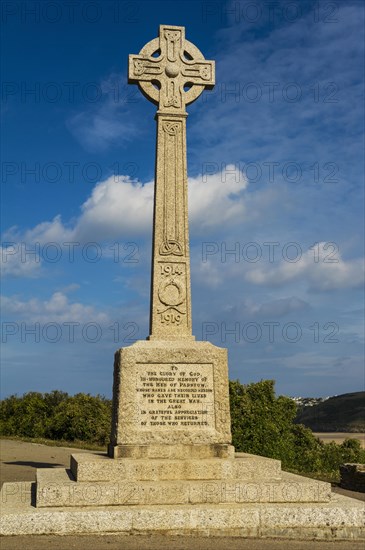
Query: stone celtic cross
point(171, 72)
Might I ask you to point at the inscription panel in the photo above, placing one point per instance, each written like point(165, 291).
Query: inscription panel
point(175, 395)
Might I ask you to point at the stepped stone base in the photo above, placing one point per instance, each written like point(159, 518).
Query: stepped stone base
point(341, 518)
point(245, 496)
point(97, 480)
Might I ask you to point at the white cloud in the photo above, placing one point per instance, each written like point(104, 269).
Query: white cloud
point(69, 288)
point(116, 207)
point(277, 308)
point(22, 252)
point(57, 309)
point(16, 264)
point(106, 122)
point(315, 365)
point(208, 273)
point(217, 198)
point(42, 233)
point(121, 207)
point(321, 275)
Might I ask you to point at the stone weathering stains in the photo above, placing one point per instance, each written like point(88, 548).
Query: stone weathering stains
point(170, 466)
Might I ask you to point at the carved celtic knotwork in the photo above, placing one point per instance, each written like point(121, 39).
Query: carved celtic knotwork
point(171, 247)
point(171, 128)
point(172, 44)
point(139, 67)
point(172, 36)
point(205, 73)
point(145, 67)
point(173, 98)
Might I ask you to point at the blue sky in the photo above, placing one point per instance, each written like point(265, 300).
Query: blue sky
point(275, 163)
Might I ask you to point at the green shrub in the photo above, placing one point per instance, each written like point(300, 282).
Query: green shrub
point(262, 424)
point(82, 417)
point(57, 415)
point(27, 415)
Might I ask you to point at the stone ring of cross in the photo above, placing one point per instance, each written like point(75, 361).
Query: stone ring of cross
point(170, 70)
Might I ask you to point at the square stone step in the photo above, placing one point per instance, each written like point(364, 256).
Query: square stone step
point(57, 488)
point(100, 467)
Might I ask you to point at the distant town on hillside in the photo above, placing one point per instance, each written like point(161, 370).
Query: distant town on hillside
point(310, 401)
point(338, 413)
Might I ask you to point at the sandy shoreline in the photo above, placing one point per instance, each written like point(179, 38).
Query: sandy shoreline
point(339, 437)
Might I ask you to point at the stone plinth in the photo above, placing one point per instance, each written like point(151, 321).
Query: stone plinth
point(169, 393)
point(172, 451)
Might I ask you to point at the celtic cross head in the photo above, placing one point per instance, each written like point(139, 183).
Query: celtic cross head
point(170, 71)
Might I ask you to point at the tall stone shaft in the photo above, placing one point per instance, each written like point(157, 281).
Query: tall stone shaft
point(171, 72)
point(170, 315)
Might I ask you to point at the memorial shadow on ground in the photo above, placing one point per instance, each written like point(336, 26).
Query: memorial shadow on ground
point(34, 464)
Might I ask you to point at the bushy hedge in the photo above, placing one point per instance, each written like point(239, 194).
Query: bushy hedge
point(57, 415)
point(262, 424)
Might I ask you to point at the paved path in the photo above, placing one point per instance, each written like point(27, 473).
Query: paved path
point(19, 461)
point(143, 542)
